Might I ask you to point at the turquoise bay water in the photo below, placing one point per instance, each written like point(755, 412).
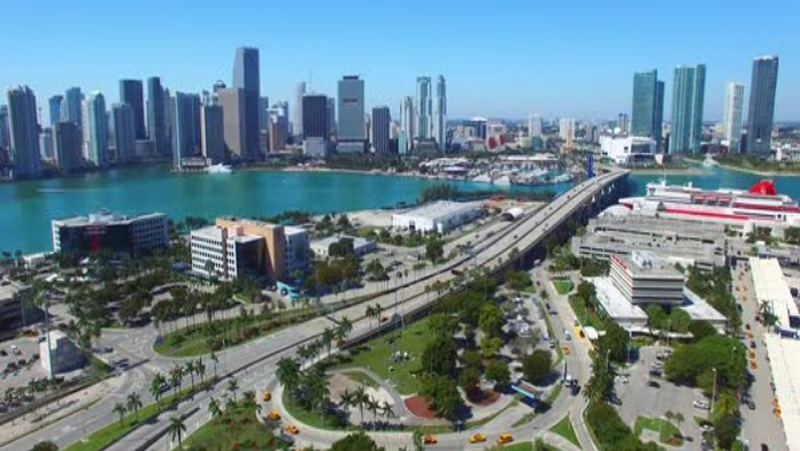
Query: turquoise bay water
point(26, 208)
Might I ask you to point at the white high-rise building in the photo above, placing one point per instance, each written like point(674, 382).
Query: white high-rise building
point(297, 116)
point(534, 126)
point(566, 131)
point(439, 127)
point(732, 121)
point(407, 124)
point(423, 109)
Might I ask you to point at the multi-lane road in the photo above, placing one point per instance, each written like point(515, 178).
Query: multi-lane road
point(254, 363)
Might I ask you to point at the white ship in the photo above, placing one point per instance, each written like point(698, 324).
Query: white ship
point(219, 169)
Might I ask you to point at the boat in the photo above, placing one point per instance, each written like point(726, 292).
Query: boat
point(219, 169)
point(761, 203)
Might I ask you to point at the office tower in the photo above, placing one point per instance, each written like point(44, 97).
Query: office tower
point(381, 120)
point(534, 126)
point(95, 130)
point(297, 118)
point(183, 128)
point(132, 93)
point(423, 109)
point(156, 116)
point(55, 109)
point(169, 120)
point(283, 106)
point(315, 117)
point(24, 133)
point(439, 126)
point(761, 113)
point(278, 129)
point(407, 123)
point(212, 126)
point(732, 116)
point(46, 143)
point(246, 77)
point(263, 113)
point(687, 109)
point(67, 146)
point(623, 124)
point(72, 107)
point(648, 106)
point(233, 111)
point(566, 131)
point(124, 120)
point(352, 132)
point(195, 105)
point(5, 139)
point(332, 114)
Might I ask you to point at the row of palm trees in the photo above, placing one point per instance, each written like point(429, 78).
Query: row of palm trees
point(310, 351)
point(359, 398)
point(176, 377)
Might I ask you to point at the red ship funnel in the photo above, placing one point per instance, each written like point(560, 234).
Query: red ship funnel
point(765, 187)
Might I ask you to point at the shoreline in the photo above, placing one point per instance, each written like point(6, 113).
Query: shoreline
point(681, 171)
point(761, 173)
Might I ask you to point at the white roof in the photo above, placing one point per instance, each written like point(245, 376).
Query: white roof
point(785, 368)
point(771, 288)
point(439, 209)
point(700, 310)
point(325, 243)
point(614, 302)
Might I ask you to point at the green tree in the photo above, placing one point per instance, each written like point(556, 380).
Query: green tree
point(491, 346)
point(434, 250)
point(701, 329)
point(497, 371)
point(491, 320)
point(358, 441)
point(120, 410)
point(288, 373)
point(537, 366)
point(134, 403)
point(45, 446)
point(615, 340)
point(176, 429)
point(439, 357)
point(156, 386)
point(442, 395)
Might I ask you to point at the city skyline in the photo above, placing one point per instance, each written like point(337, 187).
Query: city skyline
point(547, 85)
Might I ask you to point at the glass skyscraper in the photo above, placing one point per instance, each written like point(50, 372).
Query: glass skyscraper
point(424, 104)
point(246, 77)
point(648, 105)
point(96, 130)
point(157, 116)
point(761, 113)
point(55, 109)
point(732, 120)
point(131, 92)
point(351, 127)
point(687, 109)
point(24, 133)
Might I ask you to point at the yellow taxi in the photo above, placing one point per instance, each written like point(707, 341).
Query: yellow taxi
point(430, 439)
point(274, 415)
point(266, 395)
point(478, 438)
point(291, 429)
point(505, 438)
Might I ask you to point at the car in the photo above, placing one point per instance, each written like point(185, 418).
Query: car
point(291, 429)
point(751, 405)
point(764, 447)
point(653, 384)
point(430, 439)
point(505, 438)
point(747, 326)
point(266, 395)
point(478, 438)
point(274, 415)
point(701, 404)
point(3, 353)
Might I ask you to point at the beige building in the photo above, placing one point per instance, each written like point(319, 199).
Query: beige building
point(274, 238)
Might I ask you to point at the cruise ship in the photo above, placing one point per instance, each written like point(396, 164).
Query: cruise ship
point(761, 203)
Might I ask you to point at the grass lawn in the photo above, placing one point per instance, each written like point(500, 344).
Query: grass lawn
point(361, 378)
point(563, 286)
point(670, 434)
point(376, 355)
point(564, 428)
point(522, 446)
point(194, 341)
point(586, 316)
point(316, 419)
point(115, 431)
point(236, 430)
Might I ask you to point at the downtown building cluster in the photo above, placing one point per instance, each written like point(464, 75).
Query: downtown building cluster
point(228, 124)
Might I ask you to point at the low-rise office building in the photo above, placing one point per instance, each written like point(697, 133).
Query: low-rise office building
point(643, 278)
point(11, 315)
point(297, 255)
point(361, 246)
point(439, 217)
point(115, 233)
point(63, 355)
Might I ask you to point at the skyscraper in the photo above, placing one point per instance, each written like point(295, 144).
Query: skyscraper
point(315, 117)
point(687, 109)
point(46, 143)
point(24, 133)
point(123, 116)
point(381, 121)
point(648, 105)
point(439, 127)
point(72, 107)
point(732, 119)
point(534, 126)
point(95, 130)
point(352, 132)
point(761, 113)
point(67, 146)
point(297, 116)
point(233, 104)
point(246, 77)
point(332, 114)
point(156, 116)
point(183, 128)
point(212, 128)
point(566, 131)
point(5, 139)
point(132, 93)
point(423, 109)
point(55, 109)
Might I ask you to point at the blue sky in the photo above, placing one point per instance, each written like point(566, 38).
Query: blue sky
point(500, 58)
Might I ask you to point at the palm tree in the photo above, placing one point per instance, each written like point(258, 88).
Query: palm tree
point(345, 325)
point(213, 408)
point(134, 403)
point(120, 410)
point(176, 379)
point(346, 401)
point(370, 315)
point(360, 398)
point(189, 369)
point(233, 385)
point(176, 429)
point(155, 388)
point(327, 337)
point(288, 373)
point(200, 368)
point(216, 361)
point(387, 410)
point(304, 352)
point(373, 406)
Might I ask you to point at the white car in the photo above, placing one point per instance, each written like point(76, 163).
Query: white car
point(701, 404)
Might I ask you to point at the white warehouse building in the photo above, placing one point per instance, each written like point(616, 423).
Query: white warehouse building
point(440, 216)
point(628, 149)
